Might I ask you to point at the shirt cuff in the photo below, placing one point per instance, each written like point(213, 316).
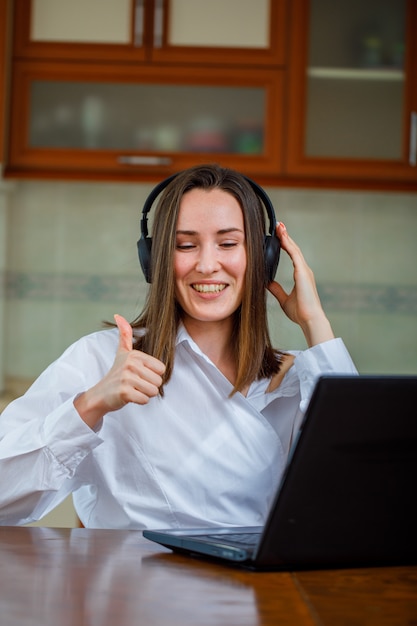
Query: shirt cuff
point(329, 357)
point(67, 437)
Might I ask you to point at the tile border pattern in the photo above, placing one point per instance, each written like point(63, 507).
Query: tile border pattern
point(336, 297)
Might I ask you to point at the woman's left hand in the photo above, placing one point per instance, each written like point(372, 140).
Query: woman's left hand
point(302, 305)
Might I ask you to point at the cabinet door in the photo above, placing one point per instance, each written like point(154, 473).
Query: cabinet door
point(353, 85)
point(245, 32)
point(80, 119)
point(81, 29)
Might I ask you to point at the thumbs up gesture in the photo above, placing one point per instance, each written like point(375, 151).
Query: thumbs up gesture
point(134, 377)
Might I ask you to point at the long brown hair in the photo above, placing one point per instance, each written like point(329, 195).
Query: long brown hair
point(255, 357)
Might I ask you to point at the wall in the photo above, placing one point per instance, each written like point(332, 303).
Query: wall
point(72, 262)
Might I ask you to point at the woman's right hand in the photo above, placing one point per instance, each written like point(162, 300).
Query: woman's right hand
point(134, 377)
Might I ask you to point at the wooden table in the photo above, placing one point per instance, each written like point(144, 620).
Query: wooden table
point(118, 578)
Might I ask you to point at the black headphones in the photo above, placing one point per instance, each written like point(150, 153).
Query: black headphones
point(272, 244)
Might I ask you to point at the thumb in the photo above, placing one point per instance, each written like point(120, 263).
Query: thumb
point(125, 334)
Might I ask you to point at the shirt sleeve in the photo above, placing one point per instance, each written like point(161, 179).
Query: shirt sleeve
point(329, 357)
point(43, 440)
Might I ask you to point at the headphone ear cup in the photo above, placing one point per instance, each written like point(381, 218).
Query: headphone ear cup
point(272, 252)
point(272, 245)
point(144, 244)
point(144, 252)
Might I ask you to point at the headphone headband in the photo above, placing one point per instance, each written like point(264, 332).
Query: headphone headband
point(272, 245)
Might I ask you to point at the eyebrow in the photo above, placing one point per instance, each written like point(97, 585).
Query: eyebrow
point(222, 231)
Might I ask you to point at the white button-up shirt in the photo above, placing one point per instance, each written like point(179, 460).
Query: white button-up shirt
point(194, 457)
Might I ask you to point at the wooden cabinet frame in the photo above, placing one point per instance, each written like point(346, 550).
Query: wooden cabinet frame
point(26, 160)
point(300, 165)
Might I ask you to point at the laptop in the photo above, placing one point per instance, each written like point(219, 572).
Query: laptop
point(348, 494)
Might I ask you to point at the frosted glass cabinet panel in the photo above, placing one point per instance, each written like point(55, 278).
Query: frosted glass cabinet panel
point(147, 118)
point(245, 32)
point(88, 21)
point(225, 23)
point(355, 79)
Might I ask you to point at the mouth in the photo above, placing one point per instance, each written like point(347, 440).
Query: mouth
point(209, 288)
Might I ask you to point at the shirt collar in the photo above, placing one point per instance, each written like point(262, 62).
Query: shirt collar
point(182, 334)
point(288, 387)
point(184, 337)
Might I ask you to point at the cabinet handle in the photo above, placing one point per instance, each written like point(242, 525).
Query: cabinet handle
point(158, 24)
point(138, 23)
point(413, 139)
point(144, 160)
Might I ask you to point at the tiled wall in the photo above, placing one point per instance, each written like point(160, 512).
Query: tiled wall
point(71, 262)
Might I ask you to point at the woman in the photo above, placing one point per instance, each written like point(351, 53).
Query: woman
point(185, 417)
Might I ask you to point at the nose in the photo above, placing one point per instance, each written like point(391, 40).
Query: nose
point(207, 262)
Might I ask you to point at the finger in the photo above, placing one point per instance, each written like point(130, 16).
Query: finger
point(278, 292)
point(148, 385)
point(281, 232)
point(285, 239)
point(125, 334)
point(142, 377)
point(288, 244)
point(153, 367)
point(280, 229)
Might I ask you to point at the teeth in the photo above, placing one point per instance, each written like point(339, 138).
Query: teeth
point(209, 288)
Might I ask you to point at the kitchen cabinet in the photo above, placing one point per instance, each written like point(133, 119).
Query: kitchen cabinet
point(300, 92)
point(147, 96)
point(353, 90)
point(243, 32)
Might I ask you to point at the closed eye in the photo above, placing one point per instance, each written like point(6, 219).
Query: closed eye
point(185, 246)
point(228, 244)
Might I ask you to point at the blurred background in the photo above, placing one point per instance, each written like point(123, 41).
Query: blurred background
point(326, 126)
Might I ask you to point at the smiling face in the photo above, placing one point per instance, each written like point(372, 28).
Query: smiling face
point(210, 256)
